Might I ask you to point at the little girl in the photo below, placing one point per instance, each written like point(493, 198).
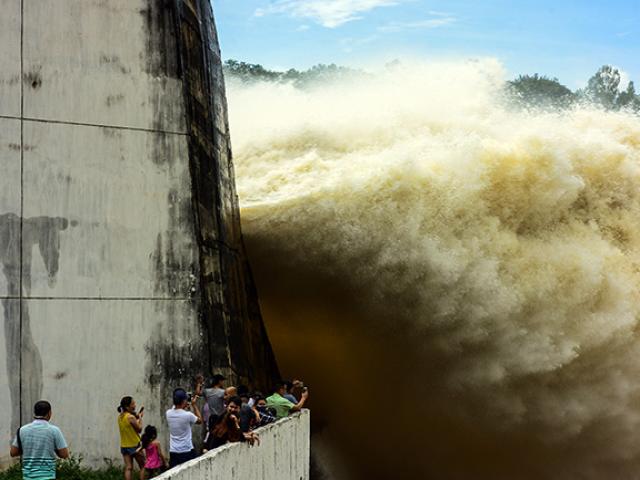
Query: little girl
point(156, 460)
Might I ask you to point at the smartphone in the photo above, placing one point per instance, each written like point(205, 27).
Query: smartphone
point(141, 410)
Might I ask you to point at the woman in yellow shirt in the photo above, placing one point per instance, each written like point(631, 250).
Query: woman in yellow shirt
point(130, 425)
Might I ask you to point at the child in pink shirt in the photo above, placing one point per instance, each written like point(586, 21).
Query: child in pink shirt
point(156, 460)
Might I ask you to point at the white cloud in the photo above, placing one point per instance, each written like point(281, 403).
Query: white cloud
point(350, 44)
point(441, 21)
point(329, 13)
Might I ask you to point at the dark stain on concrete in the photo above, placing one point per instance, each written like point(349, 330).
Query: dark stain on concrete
point(161, 53)
point(24, 364)
point(14, 80)
point(112, 100)
point(59, 375)
point(114, 62)
point(111, 132)
point(172, 260)
point(160, 62)
point(66, 179)
point(163, 149)
point(26, 147)
point(34, 78)
point(11, 81)
point(172, 364)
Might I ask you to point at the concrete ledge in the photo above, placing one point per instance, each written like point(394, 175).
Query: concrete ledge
point(283, 454)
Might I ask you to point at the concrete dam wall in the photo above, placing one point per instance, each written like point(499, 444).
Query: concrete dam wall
point(123, 269)
point(283, 454)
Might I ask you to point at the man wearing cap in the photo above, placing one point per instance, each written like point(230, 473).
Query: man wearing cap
point(39, 443)
point(180, 421)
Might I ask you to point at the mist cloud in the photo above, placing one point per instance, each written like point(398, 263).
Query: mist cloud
point(488, 260)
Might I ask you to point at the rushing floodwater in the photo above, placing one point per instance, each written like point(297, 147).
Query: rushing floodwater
point(458, 283)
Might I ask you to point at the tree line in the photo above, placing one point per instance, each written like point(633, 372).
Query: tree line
point(318, 74)
point(603, 89)
point(527, 91)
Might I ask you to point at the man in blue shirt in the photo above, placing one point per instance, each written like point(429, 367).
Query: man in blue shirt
point(39, 443)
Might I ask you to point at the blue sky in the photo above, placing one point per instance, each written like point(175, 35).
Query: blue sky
point(568, 39)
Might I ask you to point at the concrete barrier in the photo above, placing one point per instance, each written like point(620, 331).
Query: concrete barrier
point(283, 454)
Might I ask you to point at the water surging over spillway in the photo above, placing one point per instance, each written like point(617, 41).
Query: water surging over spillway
point(457, 281)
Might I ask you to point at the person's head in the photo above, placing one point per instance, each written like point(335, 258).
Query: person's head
point(280, 388)
point(229, 393)
point(42, 410)
point(243, 393)
point(149, 435)
point(243, 390)
point(288, 385)
point(180, 398)
point(127, 404)
point(260, 401)
point(233, 405)
point(216, 381)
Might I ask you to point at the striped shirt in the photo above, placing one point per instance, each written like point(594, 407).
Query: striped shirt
point(40, 440)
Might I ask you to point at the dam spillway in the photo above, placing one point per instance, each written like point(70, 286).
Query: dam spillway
point(123, 265)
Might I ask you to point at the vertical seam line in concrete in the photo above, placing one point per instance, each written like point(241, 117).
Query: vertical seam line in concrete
point(21, 200)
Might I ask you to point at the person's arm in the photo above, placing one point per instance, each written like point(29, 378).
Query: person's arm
point(14, 448)
point(196, 410)
point(136, 422)
point(60, 444)
point(199, 384)
point(236, 421)
point(251, 438)
point(62, 453)
point(164, 458)
point(300, 404)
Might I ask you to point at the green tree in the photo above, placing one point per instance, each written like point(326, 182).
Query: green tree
point(248, 72)
point(318, 74)
point(629, 99)
point(539, 91)
point(602, 88)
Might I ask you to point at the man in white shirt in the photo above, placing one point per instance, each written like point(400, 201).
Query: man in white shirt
point(180, 421)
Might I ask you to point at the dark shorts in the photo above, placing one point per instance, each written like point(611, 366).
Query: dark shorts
point(176, 459)
point(129, 451)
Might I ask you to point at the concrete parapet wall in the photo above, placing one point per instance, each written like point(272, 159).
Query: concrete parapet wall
point(283, 454)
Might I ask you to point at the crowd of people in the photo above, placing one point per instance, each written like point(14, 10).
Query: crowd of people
point(227, 415)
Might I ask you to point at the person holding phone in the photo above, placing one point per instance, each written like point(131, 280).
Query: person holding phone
point(130, 426)
point(281, 405)
point(180, 420)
